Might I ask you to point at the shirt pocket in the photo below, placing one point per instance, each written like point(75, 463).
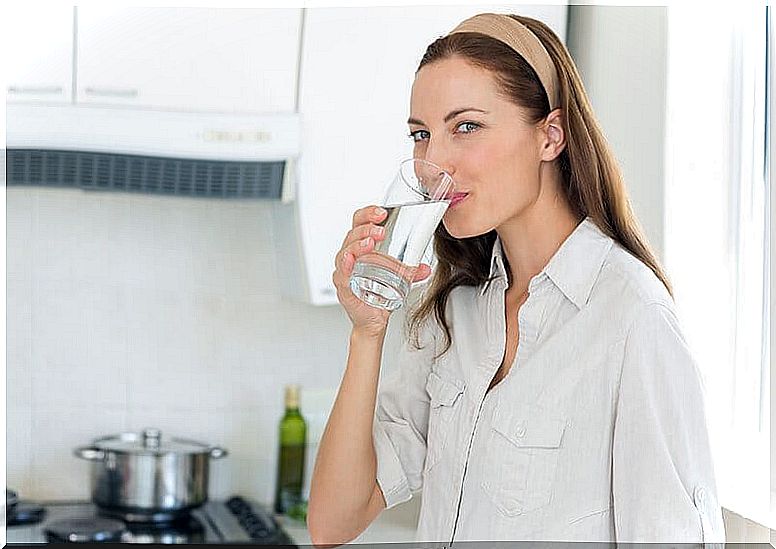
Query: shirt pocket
point(525, 445)
point(445, 398)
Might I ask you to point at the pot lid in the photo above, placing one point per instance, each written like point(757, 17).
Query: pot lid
point(150, 442)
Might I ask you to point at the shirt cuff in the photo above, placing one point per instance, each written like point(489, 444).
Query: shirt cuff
point(390, 475)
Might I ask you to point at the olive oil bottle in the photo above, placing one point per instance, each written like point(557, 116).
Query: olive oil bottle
point(293, 438)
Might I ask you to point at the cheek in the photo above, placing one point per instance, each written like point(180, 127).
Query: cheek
point(501, 157)
point(516, 158)
point(506, 174)
point(480, 160)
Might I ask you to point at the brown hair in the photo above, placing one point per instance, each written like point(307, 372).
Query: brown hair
point(591, 178)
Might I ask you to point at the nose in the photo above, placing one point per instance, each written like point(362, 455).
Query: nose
point(438, 154)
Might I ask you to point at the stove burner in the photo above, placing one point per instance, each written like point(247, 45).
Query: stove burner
point(235, 520)
point(187, 530)
point(145, 517)
point(84, 529)
point(102, 529)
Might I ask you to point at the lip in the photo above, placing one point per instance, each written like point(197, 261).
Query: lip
point(457, 198)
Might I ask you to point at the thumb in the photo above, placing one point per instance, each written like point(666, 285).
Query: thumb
point(422, 272)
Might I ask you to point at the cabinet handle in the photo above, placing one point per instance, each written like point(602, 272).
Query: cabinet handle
point(36, 89)
point(112, 92)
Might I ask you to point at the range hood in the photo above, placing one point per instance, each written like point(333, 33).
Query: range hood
point(154, 151)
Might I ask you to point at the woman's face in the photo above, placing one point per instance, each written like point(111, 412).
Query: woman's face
point(460, 121)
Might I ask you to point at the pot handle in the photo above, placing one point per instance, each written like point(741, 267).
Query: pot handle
point(216, 452)
point(89, 453)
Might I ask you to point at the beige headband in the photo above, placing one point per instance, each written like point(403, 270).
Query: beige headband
point(518, 37)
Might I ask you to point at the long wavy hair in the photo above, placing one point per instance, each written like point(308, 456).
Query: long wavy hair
point(590, 176)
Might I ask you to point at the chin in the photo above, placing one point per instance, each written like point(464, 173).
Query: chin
point(460, 231)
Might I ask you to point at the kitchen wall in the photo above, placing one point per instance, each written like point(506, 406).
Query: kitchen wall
point(126, 311)
point(621, 55)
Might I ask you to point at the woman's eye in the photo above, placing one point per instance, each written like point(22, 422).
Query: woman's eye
point(419, 135)
point(468, 127)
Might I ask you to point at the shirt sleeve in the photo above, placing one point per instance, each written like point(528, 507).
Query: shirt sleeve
point(401, 421)
point(664, 486)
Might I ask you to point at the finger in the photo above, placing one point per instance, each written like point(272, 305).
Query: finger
point(351, 253)
point(422, 272)
point(360, 247)
point(355, 239)
point(362, 231)
point(341, 274)
point(361, 218)
point(370, 214)
point(348, 261)
point(356, 248)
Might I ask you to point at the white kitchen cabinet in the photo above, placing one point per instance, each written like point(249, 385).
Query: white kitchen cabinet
point(357, 69)
point(190, 59)
point(38, 53)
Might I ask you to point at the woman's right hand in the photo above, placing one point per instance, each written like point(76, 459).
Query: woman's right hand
point(360, 240)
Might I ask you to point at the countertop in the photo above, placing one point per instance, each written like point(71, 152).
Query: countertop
point(393, 525)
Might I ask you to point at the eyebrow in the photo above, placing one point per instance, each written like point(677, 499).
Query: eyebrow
point(449, 117)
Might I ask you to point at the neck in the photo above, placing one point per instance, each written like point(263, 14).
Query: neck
point(531, 238)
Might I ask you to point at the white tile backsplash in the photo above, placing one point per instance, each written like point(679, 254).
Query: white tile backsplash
point(128, 311)
point(18, 442)
point(57, 430)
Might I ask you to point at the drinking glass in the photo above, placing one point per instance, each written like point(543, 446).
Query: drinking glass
point(416, 200)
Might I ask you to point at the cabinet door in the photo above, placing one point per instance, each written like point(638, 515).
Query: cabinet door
point(358, 65)
point(191, 59)
point(38, 53)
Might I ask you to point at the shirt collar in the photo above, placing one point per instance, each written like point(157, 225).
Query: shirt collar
point(497, 267)
point(575, 265)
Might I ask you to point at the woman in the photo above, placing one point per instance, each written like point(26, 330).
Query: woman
point(548, 393)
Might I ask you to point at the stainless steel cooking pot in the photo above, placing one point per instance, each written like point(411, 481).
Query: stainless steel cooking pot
point(140, 477)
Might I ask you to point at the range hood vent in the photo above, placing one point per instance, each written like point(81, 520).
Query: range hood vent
point(216, 155)
point(145, 174)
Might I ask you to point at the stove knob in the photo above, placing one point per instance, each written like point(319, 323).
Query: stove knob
point(236, 504)
point(258, 532)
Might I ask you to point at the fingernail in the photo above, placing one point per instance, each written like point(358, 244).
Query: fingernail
point(379, 211)
point(377, 231)
point(365, 243)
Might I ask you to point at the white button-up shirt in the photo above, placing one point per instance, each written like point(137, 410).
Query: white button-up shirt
point(597, 433)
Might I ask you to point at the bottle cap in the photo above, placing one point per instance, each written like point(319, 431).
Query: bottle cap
point(292, 396)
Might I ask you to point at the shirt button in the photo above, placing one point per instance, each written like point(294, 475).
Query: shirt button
point(520, 430)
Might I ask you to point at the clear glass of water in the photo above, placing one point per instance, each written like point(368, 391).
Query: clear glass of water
point(416, 201)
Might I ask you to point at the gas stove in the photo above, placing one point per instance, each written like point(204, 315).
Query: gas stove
point(235, 520)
